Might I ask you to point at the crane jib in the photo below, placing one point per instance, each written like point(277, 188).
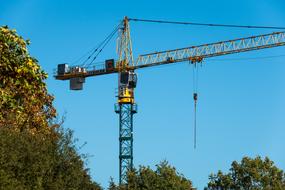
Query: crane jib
point(211, 50)
point(194, 54)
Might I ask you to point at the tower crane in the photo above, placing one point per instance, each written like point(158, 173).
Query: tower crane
point(126, 66)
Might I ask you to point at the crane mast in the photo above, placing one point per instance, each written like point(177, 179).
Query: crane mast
point(125, 106)
point(125, 66)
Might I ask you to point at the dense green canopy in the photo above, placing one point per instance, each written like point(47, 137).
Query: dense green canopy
point(165, 177)
point(253, 174)
point(33, 153)
point(39, 162)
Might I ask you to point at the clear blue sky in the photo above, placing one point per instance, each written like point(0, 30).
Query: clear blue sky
point(241, 102)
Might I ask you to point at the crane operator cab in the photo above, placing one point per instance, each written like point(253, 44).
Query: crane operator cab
point(127, 83)
point(128, 79)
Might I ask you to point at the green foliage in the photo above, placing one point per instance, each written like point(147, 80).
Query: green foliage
point(34, 155)
point(164, 177)
point(39, 162)
point(24, 100)
point(253, 174)
point(112, 185)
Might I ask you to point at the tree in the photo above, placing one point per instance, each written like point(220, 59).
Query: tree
point(112, 185)
point(39, 162)
point(33, 153)
point(253, 174)
point(165, 177)
point(24, 101)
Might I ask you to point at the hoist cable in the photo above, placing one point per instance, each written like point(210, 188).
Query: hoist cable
point(206, 24)
point(195, 125)
point(195, 97)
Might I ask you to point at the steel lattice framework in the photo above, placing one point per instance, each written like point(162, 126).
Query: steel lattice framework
point(126, 112)
point(126, 103)
point(194, 54)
